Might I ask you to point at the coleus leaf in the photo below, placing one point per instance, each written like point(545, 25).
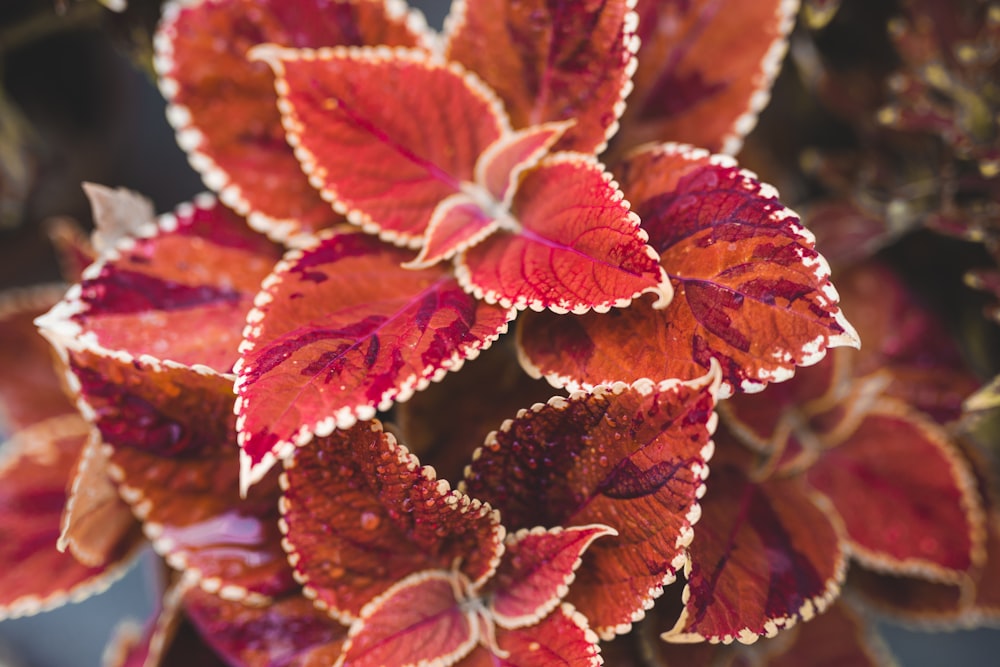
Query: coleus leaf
point(561, 639)
point(34, 469)
point(360, 514)
point(577, 247)
point(684, 91)
point(342, 330)
point(537, 568)
point(551, 60)
point(29, 386)
point(95, 520)
point(287, 632)
point(750, 289)
point(373, 128)
point(150, 299)
point(767, 554)
point(170, 442)
point(604, 458)
point(907, 498)
point(223, 106)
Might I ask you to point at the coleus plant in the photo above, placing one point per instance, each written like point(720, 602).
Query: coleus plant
point(428, 188)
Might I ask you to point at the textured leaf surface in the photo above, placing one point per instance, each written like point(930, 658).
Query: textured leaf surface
point(416, 622)
point(29, 387)
point(536, 570)
point(766, 555)
point(906, 497)
point(550, 60)
point(705, 70)
point(561, 639)
point(577, 246)
point(360, 514)
point(172, 452)
point(385, 135)
point(34, 469)
point(607, 458)
point(179, 292)
point(343, 330)
point(223, 105)
point(750, 289)
point(288, 632)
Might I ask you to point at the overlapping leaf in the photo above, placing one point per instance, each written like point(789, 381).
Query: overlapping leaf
point(577, 247)
point(360, 514)
point(608, 458)
point(767, 554)
point(376, 131)
point(562, 638)
point(223, 106)
point(35, 466)
point(343, 330)
point(178, 292)
point(750, 289)
point(171, 447)
point(705, 70)
point(551, 60)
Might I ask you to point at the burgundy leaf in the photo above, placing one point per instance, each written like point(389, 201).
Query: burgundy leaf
point(536, 571)
point(223, 106)
point(288, 632)
point(836, 637)
point(416, 622)
point(551, 60)
point(750, 289)
point(576, 246)
point(607, 458)
point(170, 439)
point(766, 555)
point(906, 497)
point(29, 387)
point(178, 293)
point(360, 514)
point(375, 129)
point(340, 331)
point(34, 471)
point(705, 70)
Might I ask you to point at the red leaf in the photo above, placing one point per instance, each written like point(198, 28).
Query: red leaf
point(751, 291)
point(500, 166)
point(360, 514)
point(29, 387)
point(374, 129)
point(178, 293)
point(576, 248)
point(907, 498)
point(223, 106)
point(172, 452)
point(341, 330)
point(705, 70)
point(34, 470)
point(95, 521)
point(561, 639)
point(457, 223)
point(416, 622)
point(537, 568)
point(288, 632)
point(766, 555)
point(568, 464)
point(551, 60)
